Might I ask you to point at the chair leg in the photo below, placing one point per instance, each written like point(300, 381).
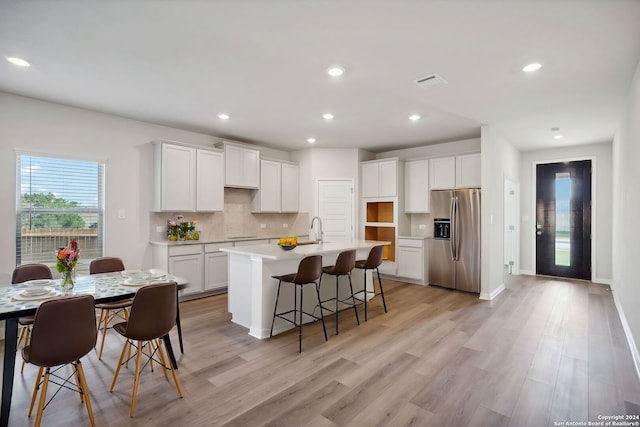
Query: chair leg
point(384, 303)
point(104, 331)
point(115, 375)
point(43, 398)
point(158, 347)
point(353, 299)
point(85, 392)
point(136, 379)
point(26, 343)
point(23, 331)
point(35, 390)
point(173, 371)
point(76, 378)
point(275, 308)
point(321, 314)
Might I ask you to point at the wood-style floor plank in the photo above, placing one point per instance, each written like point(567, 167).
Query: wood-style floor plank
point(545, 350)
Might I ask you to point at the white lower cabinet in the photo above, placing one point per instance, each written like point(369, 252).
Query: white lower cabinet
point(186, 262)
point(216, 274)
point(412, 260)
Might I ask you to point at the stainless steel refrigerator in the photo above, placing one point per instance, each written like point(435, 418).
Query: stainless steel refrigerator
point(454, 252)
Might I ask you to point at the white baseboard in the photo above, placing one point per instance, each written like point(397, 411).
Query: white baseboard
point(602, 281)
point(627, 331)
point(527, 273)
point(492, 295)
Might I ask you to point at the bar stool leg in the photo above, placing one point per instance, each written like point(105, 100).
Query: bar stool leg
point(337, 299)
point(353, 299)
point(321, 314)
point(275, 308)
point(365, 293)
point(384, 303)
point(300, 323)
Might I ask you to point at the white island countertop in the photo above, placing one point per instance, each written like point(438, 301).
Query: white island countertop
point(275, 252)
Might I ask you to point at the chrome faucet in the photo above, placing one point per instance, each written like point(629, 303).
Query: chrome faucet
point(319, 232)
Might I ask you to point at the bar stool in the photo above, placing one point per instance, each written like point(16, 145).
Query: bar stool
point(344, 265)
point(309, 272)
point(372, 262)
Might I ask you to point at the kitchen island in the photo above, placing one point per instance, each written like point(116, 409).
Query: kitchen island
point(252, 290)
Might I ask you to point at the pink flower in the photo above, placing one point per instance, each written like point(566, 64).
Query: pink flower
point(179, 217)
point(74, 245)
point(173, 224)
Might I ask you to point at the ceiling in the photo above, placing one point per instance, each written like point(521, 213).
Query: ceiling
point(181, 62)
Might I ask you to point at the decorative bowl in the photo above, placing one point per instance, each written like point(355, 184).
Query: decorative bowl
point(287, 247)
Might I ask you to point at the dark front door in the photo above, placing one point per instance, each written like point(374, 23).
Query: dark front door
point(563, 219)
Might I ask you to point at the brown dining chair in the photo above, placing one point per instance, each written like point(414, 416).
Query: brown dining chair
point(372, 262)
point(309, 271)
point(64, 330)
point(109, 310)
point(345, 263)
point(152, 316)
point(24, 273)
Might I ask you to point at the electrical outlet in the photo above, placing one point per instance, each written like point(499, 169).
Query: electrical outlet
point(422, 226)
point(122, 214)
point(285, 225)
point(263, 225)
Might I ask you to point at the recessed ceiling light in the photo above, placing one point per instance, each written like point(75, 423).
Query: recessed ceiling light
point(311, 140)
point(557, 136)
point(530, 68)
point(223, 116)
point(18, 61)
point(335, 71)
point(327, 116)
point(556, 133)
point(414, 117)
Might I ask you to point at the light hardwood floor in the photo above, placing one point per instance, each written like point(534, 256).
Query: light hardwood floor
point(544, 351)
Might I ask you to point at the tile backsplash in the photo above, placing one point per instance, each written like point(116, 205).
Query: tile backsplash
point(237, 220)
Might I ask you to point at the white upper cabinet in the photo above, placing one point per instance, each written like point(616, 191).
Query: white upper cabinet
point(442, 173)
point(187, 179)
point(416, 186)
point(290, 187)
point(468, 170)
point(242, 166)
point(279, 187)
point(380, 178)
point(209, 180)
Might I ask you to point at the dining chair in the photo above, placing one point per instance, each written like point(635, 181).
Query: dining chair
point(64, 330)
point(24, 273)
point(109, 310)
point(152, 316)
point(372, 262)
point(309, 272)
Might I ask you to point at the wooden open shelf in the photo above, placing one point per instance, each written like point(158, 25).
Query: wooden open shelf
point(380, 212)
point(383, 233)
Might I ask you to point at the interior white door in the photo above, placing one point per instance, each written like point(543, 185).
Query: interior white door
point(336, 209)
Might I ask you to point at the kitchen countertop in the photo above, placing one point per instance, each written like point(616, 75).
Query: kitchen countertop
point(415, 237)
point(215, 240)
point(274, 252)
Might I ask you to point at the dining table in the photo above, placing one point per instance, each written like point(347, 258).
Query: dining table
point(16, 301)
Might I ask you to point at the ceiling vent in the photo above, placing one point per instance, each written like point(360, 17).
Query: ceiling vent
point(431, 81)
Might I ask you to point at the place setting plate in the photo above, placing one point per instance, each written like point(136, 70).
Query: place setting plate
point(35, 294)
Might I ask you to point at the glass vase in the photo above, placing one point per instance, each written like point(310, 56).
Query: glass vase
point(67, 280)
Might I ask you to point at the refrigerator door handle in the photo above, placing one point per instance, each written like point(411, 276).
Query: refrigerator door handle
point(457, 235)
point(452, 230)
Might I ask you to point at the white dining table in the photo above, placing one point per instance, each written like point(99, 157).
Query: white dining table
point(107, 287)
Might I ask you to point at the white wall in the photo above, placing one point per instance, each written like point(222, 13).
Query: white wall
point(47, 128)
point(499, 159)
point(601, 212)
point(626, 226)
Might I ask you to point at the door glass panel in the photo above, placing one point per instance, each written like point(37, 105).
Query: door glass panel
point(563, 219)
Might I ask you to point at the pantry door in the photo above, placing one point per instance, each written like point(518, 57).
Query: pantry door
point(335, 206)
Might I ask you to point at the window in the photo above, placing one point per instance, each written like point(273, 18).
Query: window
point(58, 200)
point(563, 219)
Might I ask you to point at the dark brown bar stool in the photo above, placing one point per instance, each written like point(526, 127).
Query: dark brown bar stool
point(309, 272)
point(372, 262)
point(64, 330)
point(24, 273)
point(344, 265)
point(109, 310)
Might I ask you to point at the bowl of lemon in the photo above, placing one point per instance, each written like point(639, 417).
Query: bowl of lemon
point(288, 243)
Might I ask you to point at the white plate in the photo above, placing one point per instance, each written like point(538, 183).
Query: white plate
point(20, 297)
point(155, 274)
point(135, 282)
point(133, 273)
point(36, 291)
point(40, 282)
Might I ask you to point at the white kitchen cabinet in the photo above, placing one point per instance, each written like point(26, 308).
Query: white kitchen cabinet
point(186, 262)
point(279, 187)
point(209, 180)
point(216, 275)
point(290, 187)
point(187, 179)
point(412, 260)
point(442, 173)
point(242, 166)
point(468, 170)
point(175, 180)
point(416, 186)
point(380, 178)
